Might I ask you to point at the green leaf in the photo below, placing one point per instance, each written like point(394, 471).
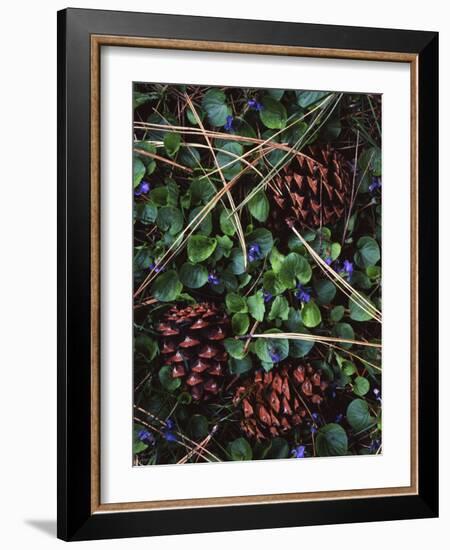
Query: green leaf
point(140, 99)
point(159, 196)
point(167, 286)
point(332, 129)
point(279, 309)
point(235, 303)
point(256, 306)
point(358, 313)
point(202, 190)
point(225, 243)
point(276, 94)
point(335, 251)
point(276, 259)
point(344, 330)
point(239, 366)
point(272, 283)
point(331, 440)
point(223, 159)
point(229, 280)
point(147, 346)
point(189, 156)
point(214, 103)
point(273, 114)
point(358, 415)
point(263, 238)
point(170, 219)
point(348, 368)
point(205, 226)
point(138, 171)
point(198, 427)
point(192, 118)
point(368, 252)
point(279, 448)
point(259, 206)
point(271, 350)
point(237, 262)
point(240, 323)
point(146, 212)
point(226, 223)
point(300, 348)
point(240, 449)
point(373, 272)
point(168, 382)
point(138, 445)
point(172, 143)
point(147, 147)
point(370, 161)
point(337, 313)
point(294, 267)
point(193, 276)
point(325, 290)
point(311, 315)
point(294, 322)
point(306, 99)
point(235, 347)
point(361, 386)
point(199, 248)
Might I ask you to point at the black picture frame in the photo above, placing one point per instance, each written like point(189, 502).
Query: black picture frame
point(75, 518)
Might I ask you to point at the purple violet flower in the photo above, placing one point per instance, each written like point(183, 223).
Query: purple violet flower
point(146, 437)
point(375, 185)
point(274, 355)
point(228, 126)
point(155, 268)
point(328, 260)
point(169, 436)
point(254, 104)
point(167, 432)
point(298, 452)
point(142, 189)
point(303, 293)
point(267, 296)
point(339, 418)
point(170, 424)
point(213, 279)
point(347, 269)
point(254, 252)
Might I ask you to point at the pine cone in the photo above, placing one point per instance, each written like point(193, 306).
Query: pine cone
point(193, 345)
point(274, 402)
point(313, 190)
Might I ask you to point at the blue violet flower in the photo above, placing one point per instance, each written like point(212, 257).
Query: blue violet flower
point(274, 355)
point(254, 252)
point(146, 437)
point(303, 293)
point(254, 104)
point(375, 185)
point(298, 452)
point(142, 189)
point(213, 279)
point(228, 126)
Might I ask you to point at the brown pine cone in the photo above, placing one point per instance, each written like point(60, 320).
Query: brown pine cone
point(312, 191)
point(274, 402)
point(193, 345)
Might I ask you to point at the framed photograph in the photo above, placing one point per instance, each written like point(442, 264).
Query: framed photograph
point(247, 274)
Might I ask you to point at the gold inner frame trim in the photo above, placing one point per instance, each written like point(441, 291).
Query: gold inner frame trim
point(97, 41)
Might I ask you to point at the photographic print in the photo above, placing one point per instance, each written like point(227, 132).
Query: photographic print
point(257, 274)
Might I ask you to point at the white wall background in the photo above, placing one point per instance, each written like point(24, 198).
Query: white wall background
point(28, 271)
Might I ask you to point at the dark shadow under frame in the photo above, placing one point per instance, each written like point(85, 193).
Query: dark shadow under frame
point(80, 35)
